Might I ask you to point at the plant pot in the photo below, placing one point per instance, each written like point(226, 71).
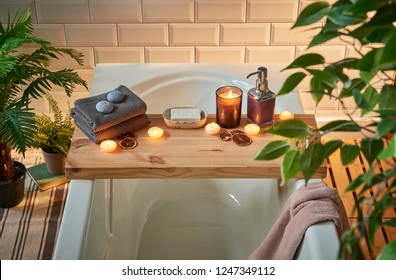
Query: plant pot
point(56, 163)
point(11, 193)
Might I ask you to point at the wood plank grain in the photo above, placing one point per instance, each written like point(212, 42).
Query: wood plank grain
point(180, 153)
point(341, 180)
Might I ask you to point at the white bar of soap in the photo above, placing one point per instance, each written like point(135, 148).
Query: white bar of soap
point(185, 114)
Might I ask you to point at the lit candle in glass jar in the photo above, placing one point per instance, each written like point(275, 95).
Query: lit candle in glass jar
point(228, 106)
point(108, 146)
point(252, 129)
point(212, 128)
point(286, 115)
point(155, 132)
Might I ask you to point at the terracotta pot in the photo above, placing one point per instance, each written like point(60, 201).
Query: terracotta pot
point(11, 193)
point(56, 163)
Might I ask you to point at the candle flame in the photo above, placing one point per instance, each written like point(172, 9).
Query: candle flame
point(230, 94)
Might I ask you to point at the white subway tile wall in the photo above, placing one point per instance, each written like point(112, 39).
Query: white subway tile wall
point(194, 34)
point(246, 34)
point(85, 35)
point(168, 10)
point(170, 54)
point(115, 11)
point(180, 31)
point(142, 35)
point(119, 54)
point(272, 10)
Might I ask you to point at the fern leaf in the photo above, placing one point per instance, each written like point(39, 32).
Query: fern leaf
point(17, 127)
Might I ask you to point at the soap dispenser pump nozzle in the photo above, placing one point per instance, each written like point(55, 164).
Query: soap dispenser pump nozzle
point(261, 73)
point(261, 82)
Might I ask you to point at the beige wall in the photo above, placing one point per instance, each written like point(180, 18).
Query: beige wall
point(190, 31)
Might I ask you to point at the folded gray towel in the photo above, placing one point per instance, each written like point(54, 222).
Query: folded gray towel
point(85, 110)
point(126, 126)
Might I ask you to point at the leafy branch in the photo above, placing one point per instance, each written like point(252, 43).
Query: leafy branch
point(23, 77)
point(364, 25)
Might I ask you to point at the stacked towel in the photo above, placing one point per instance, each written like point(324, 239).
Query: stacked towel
point(126, 116)
point(308, 205)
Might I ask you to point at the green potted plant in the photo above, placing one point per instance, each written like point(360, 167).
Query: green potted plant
point(363, 24)
point(54, 135)
point(23, 77)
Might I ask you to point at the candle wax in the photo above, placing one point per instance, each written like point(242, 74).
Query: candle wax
point(252, 129)
point(155, 132)
point(286, 115)
point(212, 128)
point(108, 146)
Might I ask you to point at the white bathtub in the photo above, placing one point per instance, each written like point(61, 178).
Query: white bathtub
point(180, 218)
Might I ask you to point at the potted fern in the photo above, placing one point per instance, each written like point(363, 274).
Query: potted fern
point(23, 77)
point(53, 136)
point(368, 79)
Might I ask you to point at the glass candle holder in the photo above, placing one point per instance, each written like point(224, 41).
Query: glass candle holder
point(228, 106)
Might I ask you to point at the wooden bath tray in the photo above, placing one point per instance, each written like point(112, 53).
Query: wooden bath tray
point(180, 153)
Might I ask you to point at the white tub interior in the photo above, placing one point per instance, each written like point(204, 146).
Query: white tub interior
point(179, 218)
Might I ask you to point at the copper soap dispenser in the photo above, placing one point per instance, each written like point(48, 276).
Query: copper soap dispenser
point(261, 100)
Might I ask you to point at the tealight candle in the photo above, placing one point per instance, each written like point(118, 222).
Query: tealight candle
point(212, 128)
point(286, 115)
point(252, 129)
point(155, 132)
point(108, 146)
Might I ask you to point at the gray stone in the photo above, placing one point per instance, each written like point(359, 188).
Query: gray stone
point(115, 96)
point(104, 107)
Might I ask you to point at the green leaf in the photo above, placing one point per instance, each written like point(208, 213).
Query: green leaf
point(356, 83)
point(374, 224)
point(378, 34)
point(338, 74)
point(324, 76)
point(330, 147)
point(359, 99)
point(370, 148)
point(369, 178)
point(317, 89)
point(290, 128)
point(273, 150)
point(311, 160)
point(364, 6)
point(387, 97)
point(371, 33)
point(340, 125)
point(371, 97)
point(322, 37)
point(386, 112)
point(306, 60)
point(349, 153)
point(388, 252)
point(290, 165)
point(391, 222)
point(311, 14)
point(344, 63)
point(389, 151)
point(330, 26)
point(339, 16)
point(385, 126)
point(291, 82)
point(384, 15)
point(354, 184)
point(17, 127)
point(366, 63)
point(385, 56)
